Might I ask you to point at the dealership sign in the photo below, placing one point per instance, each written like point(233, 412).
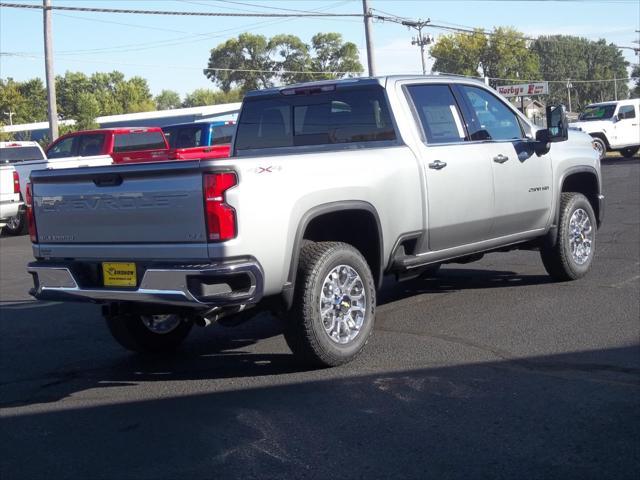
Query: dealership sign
point(524, 90)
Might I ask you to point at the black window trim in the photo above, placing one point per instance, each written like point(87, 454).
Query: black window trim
point(416, 114)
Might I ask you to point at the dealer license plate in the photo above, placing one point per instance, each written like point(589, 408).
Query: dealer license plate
point(119, 274)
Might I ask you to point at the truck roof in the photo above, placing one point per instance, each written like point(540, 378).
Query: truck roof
point(216, 123)
point(360, 81)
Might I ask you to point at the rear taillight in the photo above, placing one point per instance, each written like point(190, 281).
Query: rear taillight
point(31, 219)
point(221, 218)
point(16, 182)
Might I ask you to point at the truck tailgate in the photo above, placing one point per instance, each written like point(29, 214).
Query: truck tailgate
point(122, 204)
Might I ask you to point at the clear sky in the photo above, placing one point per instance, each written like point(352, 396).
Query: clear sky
point(170, 52)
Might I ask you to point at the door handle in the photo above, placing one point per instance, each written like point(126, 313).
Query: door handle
point(437, 165)
point(500, 159)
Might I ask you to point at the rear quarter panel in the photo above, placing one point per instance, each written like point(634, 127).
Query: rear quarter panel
point(275, 192)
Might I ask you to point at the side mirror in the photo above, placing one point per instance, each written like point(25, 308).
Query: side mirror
point(557, 123)
point(615, 118)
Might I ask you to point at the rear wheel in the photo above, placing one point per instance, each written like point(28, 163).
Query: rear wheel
point(16, 225)
point(600, 147)
point(629, 151)
point(334, 305)
point(572, 255)
point(149, 333)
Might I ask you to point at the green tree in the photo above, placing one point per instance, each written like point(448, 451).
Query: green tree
point(501, 55)
point(88, 110)
point(168, 100)
point(291, 57)
point(134, 96)
point(204, 96)
point(583, 61)
point(635, 74)
point(26, 101)
point(245, 61)
point(332, 55)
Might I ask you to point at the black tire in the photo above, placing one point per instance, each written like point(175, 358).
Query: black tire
point(131, 332)
point(558, 260)
point(601, 147)
point(629, 151)
point(304, 330)
point(16, 225)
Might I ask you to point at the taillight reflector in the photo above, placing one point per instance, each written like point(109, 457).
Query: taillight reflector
point(31, 220)
point(221, 217)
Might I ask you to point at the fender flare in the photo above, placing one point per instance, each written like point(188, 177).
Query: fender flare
point(305, 220)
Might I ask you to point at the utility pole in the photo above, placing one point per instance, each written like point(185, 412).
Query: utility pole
point(615, 88)
point(368, 30)
point(420, 40)
point(48, 64)
point(569, 86)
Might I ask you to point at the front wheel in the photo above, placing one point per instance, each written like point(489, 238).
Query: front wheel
point(333, 311)
point(572, 255)
point(600, 147)
point(629, 151)
point(149, 333)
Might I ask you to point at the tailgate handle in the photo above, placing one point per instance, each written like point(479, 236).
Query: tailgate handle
point(108, 180)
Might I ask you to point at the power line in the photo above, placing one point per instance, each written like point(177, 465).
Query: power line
point(180, 13)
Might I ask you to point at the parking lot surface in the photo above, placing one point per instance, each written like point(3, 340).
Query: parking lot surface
point(490, 370)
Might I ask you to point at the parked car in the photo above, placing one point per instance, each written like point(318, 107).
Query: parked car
point(124, 145)
point(201, 140)
point(28, 156)
point(614, 126)
point(10, 202)
point(330, 186)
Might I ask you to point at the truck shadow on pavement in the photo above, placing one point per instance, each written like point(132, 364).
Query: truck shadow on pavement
point(76, 352)
point(456, 279)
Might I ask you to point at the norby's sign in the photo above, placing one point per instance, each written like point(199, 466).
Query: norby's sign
point(524, 90)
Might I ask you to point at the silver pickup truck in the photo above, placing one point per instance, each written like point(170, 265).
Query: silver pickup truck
point(330, 187)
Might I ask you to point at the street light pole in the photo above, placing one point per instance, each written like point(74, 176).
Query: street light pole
point(368, 30)
point(48, 64)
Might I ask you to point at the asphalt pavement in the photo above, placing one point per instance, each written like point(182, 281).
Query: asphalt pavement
point(490, 370)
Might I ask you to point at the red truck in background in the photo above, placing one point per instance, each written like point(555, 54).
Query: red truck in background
point(123, 144)
point(200, 140)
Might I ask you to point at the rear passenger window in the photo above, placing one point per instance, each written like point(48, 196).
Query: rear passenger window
point(438, 112)
point(90, 144)
point(129, 142)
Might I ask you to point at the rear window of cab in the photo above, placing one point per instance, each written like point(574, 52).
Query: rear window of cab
point(133, 141)
point(339, 116)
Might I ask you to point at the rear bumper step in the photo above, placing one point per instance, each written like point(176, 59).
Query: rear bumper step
point(198, 286)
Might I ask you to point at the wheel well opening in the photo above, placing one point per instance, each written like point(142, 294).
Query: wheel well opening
point(586, 184)
point(355, 227)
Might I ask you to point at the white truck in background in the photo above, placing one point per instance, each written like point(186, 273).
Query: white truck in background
point(614, 126)
point(9, 193)
point(26, 156)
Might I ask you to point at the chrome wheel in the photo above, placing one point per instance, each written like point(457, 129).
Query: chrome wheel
point(13, 223)
point(343, 304)
point(161, 324)
point(580, 236)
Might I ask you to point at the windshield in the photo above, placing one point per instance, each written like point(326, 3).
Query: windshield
point(20, 154)
point(597, 112)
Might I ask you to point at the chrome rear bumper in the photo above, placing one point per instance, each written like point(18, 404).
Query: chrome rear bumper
point(196, 286)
